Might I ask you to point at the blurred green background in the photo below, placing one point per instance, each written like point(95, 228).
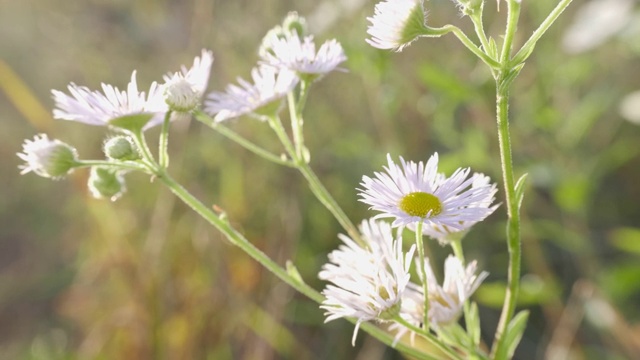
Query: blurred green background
point(145, 277)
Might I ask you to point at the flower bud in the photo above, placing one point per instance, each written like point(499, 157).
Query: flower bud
point(121, 148)
point(180, 95)
point(294, 24)
point(48, 158)
point(106, 183)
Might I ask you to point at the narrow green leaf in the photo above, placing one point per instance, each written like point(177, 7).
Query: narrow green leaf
point(293, 271)
point(520, 189)
point(473, 324)
point(513, 335)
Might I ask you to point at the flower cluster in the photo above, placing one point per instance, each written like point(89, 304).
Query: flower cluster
point(287, 56)
point(371, 283)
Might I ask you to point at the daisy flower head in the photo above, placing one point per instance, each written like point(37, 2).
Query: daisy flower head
point(366, 283)
point(396, 24)
point(121, 109)
point(299, 55)
point(183, 90)
point(417, 192)
point(446, 301)
point(262, 98)
point(49, 158)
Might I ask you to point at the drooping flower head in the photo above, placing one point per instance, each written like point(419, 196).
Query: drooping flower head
point(299, 55)
point(396, 24)
point(183, 90)
point(47, 158)
point(446, 301)
point(415, 192)
point(367, 283)
point(111, 106)
point(263, 97)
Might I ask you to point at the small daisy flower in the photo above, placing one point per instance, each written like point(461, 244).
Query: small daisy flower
point(47, 158)
point(446, 301)
point(292, 24)
point(396, 24)
point(417, 192)
point(299, 55)
point(96, 108)
point(184, 89)
point(367, 284)
point(262, 97)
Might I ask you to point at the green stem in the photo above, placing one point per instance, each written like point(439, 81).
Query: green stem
point(239, 240)
point(528, 46)
point(329, 202)
point(145, 152)
point(163, 143)
point(297, 121)
point(513, 222)
point(130, 165)
point(456, 245)
point(430, 338)
point(513, 10)
point(232, 135)
point(478, 25)
point(423, 274)
point(492, 63)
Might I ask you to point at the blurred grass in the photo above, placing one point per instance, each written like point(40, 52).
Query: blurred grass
point(146, 278)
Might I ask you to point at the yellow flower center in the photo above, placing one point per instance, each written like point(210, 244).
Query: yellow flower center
point(421, 204)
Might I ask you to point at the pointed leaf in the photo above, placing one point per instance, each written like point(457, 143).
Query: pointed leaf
point(520, 189)
point(513, 335)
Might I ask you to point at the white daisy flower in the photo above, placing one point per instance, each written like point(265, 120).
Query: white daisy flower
point(396, 23)
point(184, 89)
point(96, 108)
point(262, 97)
point(47, 158)
point(367, 284)
point(299, 55)
point(417, 192)
point(446, 301)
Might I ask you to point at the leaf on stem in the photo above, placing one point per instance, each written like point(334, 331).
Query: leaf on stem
point(513, 335)
point(519, 189)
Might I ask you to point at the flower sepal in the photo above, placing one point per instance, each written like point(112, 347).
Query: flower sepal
point(131, 123)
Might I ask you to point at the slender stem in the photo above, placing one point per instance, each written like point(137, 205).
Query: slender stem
point(466, 42)
point(276, 125)
point(456, 245)
point(236, 238)
point(232, 135)
point(513, 222)
point(423, 274)
point(297, 121)
point(131, 165)
point(528, 46)
point(329, 202)
point(145, 152)
point(432, 339)
point(513, 10)
point(478, 25)
point(163, 143)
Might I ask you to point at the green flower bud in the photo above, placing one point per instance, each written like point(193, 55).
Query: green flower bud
point(106, 183)
point(294, 24)
point(121, 148)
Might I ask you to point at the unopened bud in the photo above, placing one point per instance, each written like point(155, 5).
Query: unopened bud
point(121, 148)
point(105, 183)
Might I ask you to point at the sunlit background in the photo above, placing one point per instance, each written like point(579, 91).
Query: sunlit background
point(146, 278)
